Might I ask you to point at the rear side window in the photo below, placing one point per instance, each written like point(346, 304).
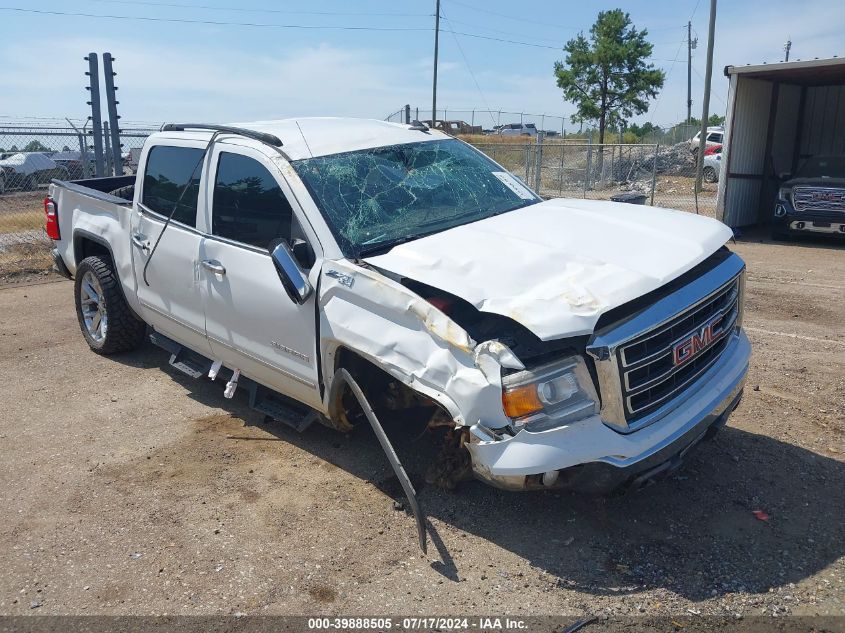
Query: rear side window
point(167, 173)
point(249, 206)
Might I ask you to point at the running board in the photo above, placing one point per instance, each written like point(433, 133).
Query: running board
point(185, 360)
point(279, 408)
point(271, 403)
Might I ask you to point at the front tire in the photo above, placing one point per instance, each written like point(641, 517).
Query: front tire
point(106, 320)
point(710, 175)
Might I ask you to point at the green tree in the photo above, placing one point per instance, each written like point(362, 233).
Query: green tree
point(35, 146)
point(607, 76)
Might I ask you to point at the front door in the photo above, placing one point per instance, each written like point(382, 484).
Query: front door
point(168, 283)
point(251, 323)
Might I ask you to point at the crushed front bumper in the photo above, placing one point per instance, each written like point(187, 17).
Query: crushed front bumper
point(588, 455)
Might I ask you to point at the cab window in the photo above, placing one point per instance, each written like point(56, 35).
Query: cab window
point(168, 170)
point(248, 205)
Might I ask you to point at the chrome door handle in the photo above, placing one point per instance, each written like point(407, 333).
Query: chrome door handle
point(212, 265)
point(138, 240)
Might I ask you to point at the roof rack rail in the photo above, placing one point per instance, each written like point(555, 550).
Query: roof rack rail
point(270, 139)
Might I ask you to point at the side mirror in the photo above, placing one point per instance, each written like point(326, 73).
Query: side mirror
point(293, 279)
point(302, 253)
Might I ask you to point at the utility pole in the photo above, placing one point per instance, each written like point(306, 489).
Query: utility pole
point(691, 44)
point(705, 114)
point(436, 44)
point(786, 48)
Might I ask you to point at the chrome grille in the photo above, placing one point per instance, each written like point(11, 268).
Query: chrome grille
point(649, 374)
point(818, 199)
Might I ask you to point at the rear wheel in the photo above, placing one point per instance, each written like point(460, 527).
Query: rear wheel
point(106, 320)
point(709, 174)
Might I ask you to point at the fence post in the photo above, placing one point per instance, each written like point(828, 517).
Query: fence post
point(654, 172)
point(407, 114)
point(108, 150)
point(589, 162)
point(83, 150)
point(560, 174)
point(472, 121)
point(111, 103)
point(538, 163)
point(527, 163)
point(96, 121)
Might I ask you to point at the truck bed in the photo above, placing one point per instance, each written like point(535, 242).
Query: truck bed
point(99, 188)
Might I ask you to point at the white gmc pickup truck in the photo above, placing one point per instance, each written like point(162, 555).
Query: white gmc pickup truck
point(558, 343)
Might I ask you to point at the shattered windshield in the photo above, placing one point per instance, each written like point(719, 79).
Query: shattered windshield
point(373, 199)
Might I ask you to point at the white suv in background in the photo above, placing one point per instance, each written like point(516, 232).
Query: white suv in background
point(715, 136)
point(518, 129)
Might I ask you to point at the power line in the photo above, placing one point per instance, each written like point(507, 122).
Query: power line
point(715, 94)
point(214, 22)
point(507, 41)
point(471, 74)
point(668, 74)
point(486, 28)
point(252, 10)
point(513, 17)
point(283, 26)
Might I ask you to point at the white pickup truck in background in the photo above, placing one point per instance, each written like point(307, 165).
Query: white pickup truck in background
point(558, 343)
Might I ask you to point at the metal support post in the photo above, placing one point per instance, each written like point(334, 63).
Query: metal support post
point(111, 102)
point(96, 120)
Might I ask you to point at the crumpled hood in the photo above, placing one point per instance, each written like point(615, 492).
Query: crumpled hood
point(557, 266)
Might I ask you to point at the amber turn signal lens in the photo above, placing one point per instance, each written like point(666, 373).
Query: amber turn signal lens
point(521, 401)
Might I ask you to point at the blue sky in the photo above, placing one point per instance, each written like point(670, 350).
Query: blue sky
point(217, 72)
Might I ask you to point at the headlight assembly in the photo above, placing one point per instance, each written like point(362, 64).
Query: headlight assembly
point(549, 396)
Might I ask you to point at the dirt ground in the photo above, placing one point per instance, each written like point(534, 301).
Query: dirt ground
point(128, 488)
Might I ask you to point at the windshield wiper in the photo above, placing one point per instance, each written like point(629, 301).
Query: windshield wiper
point(388, 244)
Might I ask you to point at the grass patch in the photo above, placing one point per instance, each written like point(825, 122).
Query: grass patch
point(28, 257)
point(21, 221)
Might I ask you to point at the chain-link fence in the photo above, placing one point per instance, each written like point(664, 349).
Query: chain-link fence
point(659, 163)
point(484, 120)
point(30, 157)
point(663, 175)
point(555, 166)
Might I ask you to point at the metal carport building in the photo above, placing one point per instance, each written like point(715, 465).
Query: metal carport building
point(778, 115)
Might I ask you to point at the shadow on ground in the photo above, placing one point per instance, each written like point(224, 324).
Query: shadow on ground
point(762, 235)
point(695, 534)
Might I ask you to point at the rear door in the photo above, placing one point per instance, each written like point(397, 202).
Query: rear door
point(251, 322)
point(169, 287)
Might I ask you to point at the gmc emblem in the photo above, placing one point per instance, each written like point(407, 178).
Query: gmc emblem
point(697, 341)
point(827, 197)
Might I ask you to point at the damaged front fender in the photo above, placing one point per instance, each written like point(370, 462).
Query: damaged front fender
point(410, 339)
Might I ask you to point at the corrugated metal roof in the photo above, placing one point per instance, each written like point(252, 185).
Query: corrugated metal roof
point(805, 72)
